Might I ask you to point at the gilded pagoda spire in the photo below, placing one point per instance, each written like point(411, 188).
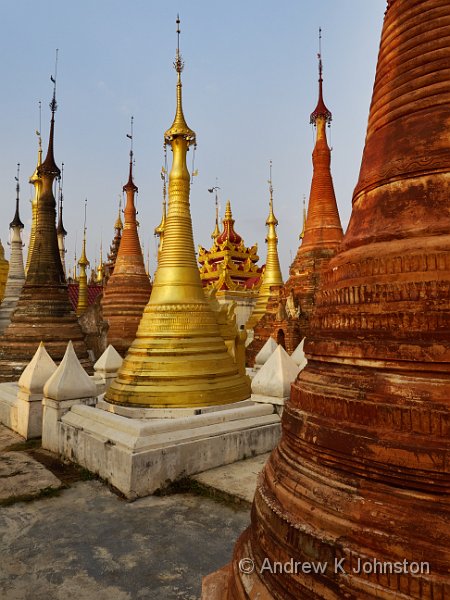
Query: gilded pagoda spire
point(272, 277)
point(60, 231)
point(159, 231)
point(83, 263)
point(101, 267)
point(35, 180)
point(216, 231)
point(178, 358)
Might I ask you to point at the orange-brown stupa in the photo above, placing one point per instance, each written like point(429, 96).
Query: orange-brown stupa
point(229, 264)
point(287, 316)
point(43, 312)
point(359, 482)
point(128, 289)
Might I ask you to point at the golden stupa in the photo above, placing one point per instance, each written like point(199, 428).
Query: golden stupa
point(83, 263)
point(178, 358)
point(272, 277)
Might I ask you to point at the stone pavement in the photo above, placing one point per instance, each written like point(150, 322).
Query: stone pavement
point(77, 539)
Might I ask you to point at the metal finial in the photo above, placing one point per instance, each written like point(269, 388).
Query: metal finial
point(85, 212)
point(38, 132)
point(319, 55)
point(130, 137)
point(269, 181)
point(17, 180)
point(178, 62)
point(53, 104)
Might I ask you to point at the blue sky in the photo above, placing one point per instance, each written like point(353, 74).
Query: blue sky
point(249, 85)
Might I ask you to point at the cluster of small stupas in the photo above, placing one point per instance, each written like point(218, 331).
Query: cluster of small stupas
point(285, 314)
point(362, 470)
point(361, 473)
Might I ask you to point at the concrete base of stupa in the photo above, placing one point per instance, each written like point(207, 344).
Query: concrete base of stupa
point(140, 451)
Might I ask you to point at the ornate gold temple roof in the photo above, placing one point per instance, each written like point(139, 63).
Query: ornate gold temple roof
point(229, 264)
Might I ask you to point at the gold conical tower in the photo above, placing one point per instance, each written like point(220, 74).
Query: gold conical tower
point(83, 263)
point(272, 274)
point(178, 358)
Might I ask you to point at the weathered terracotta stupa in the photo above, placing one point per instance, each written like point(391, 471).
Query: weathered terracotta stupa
point(128, 289)
point(16, 272)
point(178, 358)
point(287, 315)
point(362, 469)
point(43, 312)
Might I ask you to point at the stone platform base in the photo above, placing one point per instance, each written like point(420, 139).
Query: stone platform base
point(20, 412)
point(8, 405)
point(139, 456)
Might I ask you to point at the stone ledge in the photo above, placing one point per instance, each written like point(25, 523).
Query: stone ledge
point(138, 457)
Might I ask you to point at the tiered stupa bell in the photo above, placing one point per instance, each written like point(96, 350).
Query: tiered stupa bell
point(178, 358)
point(362, 470)
point(16, 273)
point(43, 312)
point(128, 289)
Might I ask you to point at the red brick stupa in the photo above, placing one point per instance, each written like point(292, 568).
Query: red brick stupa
point(359, 484)
point(128, 289)
point(287, 316)
point(43, 312)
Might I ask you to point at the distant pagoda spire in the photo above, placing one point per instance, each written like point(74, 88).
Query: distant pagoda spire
point(178, 358)
point(302, 233)
point(128, 289)
point(83, 263)
point(100, 276)
point(60, 231)
point(216, 231)
point(159, 230)
point(44, 307)
point(35, 180)
point(272, 277)
point(323, 225)
point(16, 272)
